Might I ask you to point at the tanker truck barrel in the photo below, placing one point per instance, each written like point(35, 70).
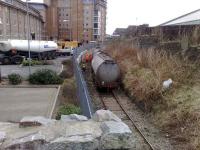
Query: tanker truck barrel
point(19, 49)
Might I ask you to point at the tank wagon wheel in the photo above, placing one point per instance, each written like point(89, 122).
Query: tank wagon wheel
point(17, 59)
point(6, 61)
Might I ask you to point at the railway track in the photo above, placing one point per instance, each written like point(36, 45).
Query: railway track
point(112, 102)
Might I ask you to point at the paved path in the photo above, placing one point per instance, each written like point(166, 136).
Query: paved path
point(18, 102)
point(24, 70)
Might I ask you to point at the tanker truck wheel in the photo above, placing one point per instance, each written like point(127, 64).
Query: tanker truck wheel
point(39, 57)
point(53, 55)
point(17, 59)
point(6, 61)
point(43, 56)
point(49, 56)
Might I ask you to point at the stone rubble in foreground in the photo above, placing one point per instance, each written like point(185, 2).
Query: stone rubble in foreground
point(73, 132)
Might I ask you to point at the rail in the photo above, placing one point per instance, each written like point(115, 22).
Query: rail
point(114, 96)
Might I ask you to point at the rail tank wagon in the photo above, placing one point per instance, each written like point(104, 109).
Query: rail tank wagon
point(106, 71)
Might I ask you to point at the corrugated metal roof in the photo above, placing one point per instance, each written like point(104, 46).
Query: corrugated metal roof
point(192, 18)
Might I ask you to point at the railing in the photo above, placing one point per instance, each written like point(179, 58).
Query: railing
point(82, 89)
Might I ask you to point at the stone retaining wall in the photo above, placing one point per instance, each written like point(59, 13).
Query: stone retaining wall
point(104, 131)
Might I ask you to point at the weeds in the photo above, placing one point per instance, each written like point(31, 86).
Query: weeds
point(177, 110)
point(67, 110)
point(15, 79)
point(145, 70)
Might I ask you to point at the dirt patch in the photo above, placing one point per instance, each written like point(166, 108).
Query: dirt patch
point(67, 94)
point(182, 119)
point(96, 101)
point(67, 69)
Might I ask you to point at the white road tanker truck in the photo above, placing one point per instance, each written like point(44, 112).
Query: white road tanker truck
point(14, 51)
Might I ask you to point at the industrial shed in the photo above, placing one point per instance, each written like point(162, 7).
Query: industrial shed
point(192, 18)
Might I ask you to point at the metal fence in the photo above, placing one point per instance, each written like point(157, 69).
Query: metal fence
point(82, 89)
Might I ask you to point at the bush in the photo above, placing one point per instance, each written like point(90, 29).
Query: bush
point(15, 79)
point(45, 77)
point(32, 62)
point(67, 110)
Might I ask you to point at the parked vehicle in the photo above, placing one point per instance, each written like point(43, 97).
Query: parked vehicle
point(66, 47)
point(14, 51)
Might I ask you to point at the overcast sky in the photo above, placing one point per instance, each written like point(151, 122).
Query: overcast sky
point(122, 13)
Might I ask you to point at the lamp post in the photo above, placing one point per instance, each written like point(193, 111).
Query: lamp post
point(28, 35)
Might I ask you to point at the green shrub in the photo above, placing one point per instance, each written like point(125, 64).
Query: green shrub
point(45, 77)
point(67, 110)
point(15, 79)
point(32, 62)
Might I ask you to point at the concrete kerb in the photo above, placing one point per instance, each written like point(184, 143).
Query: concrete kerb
point(54, 103)
point(61, 70)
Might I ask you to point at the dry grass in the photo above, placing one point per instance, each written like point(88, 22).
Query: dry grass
point(177, 110)
point(68, 69)
point(145, 70)
point(69, 91)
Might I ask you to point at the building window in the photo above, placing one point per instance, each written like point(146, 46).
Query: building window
point(1, 32)
point(95, 25)
point(7, 21)
point(95, 37)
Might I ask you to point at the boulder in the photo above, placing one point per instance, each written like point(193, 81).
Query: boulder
point(105, 115)
point(76, 142)
point(35, 121)
point(116, 135)
point(73, 117)
point(77, 133)
point(35, 141)
point(83, 128)
point(2, 136)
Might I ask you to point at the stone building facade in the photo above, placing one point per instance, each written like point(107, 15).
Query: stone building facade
point(42, 8)
point(13, 20)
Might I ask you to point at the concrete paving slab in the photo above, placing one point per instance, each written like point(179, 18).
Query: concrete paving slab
point(16, 103)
